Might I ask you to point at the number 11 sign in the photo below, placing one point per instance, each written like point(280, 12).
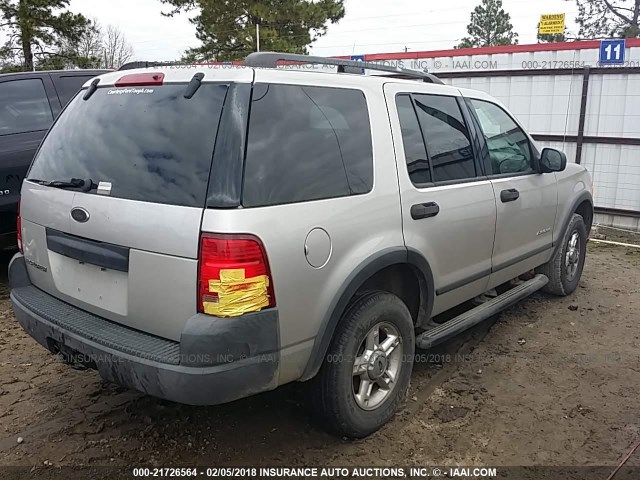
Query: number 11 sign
point(612, 52)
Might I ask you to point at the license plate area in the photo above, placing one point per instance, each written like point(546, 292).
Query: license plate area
point(91, 284)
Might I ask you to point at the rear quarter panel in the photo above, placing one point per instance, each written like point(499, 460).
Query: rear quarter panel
point(359, 226)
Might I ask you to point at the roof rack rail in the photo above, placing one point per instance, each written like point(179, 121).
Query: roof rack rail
point(271, 59)
point(134, 65)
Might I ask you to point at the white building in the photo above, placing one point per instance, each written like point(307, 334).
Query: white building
point(568, 100)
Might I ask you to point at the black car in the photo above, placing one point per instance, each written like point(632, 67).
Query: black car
point(29, 103)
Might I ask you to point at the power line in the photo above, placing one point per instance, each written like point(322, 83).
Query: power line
point(275, 25)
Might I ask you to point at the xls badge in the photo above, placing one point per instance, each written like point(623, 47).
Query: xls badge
point(36, 265)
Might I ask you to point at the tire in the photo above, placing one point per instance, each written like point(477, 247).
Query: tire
point(565, 267)
point(335, 398)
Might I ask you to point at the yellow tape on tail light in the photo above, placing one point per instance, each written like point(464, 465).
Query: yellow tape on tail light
point(236, 294)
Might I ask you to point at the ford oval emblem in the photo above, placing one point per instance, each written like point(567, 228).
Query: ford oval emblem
point(80, 215)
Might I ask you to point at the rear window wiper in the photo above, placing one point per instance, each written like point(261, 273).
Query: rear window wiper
point(193, 86)
point(84, 185)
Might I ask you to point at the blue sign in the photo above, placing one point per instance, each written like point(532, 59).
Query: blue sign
point(612, 52)
point(358, 58)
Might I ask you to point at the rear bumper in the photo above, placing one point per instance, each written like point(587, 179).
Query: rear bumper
point(216, 361)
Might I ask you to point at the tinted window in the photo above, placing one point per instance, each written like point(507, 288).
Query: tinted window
point(67, 86)
point(306, 143)
point(509, 148)
point(447, 138)
point(24, 107)
point(151, 143)
point(414, 150)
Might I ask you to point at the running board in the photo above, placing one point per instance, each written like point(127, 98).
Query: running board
point(480, 313)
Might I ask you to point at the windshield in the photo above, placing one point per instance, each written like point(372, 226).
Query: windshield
point(150, 143)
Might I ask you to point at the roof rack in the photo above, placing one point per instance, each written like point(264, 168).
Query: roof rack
point(271, 59)
point(134, 65)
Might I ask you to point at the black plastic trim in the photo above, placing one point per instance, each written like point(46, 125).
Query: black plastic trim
point(272, 59)
point(424, 210)
point(106, 255)
point(509, 195)
point(225, 180)
point(478, 314)
point(584, 196)
point(463, 282)
point(208, 340)
point(520, 258)
point(181, 372)
point(348, 289)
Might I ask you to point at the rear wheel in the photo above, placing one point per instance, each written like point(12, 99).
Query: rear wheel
point(368, 367)
point(565, 267)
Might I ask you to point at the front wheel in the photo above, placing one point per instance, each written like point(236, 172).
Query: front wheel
point(368, 367)
point(565, 267)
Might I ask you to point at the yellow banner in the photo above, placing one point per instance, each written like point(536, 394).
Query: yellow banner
point(551, 24)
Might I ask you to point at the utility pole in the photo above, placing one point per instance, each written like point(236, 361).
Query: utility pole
point(257, 37)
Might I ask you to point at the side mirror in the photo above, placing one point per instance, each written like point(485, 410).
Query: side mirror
point(552, 160)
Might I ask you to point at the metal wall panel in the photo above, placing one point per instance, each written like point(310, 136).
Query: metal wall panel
point(550, 105)
point(544, 105)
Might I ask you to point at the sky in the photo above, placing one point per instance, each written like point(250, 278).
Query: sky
point(369, 26)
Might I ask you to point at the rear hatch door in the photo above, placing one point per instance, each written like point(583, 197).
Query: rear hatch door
point(119, 235)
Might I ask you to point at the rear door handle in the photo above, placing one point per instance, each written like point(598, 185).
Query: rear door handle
point(510, 195)
point(424, 210)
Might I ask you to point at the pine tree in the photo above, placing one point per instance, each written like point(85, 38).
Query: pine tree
point(490, 25)
point(227, 30)
point(608, 18)
point(37, 28)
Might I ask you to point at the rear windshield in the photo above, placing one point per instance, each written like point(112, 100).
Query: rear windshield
point(150, 143)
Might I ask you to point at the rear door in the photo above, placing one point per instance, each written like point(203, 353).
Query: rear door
point(125, 246)
point(28, 106)
point(448, 207)
point(526, 200)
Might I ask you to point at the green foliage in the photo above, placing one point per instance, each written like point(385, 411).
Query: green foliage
point(36, 29)
point(227, 30)
point(608, 18)
point(490, 25)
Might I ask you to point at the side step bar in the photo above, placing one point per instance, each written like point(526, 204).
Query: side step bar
point(480, 313)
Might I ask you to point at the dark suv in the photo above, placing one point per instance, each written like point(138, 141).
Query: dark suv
point(29, 102)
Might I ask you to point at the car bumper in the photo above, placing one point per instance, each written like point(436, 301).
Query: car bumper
point(216, 361)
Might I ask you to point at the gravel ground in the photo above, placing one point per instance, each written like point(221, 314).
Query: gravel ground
point(552, 381)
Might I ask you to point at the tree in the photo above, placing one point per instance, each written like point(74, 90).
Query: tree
point(87, 51)
point(36, 27)
point(608, 18)
point(116, 51)
point(227, 30)
point(490, 25)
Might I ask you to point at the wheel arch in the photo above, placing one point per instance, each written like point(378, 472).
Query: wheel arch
point(389, 260)
point(582, 204)
point(585, 209)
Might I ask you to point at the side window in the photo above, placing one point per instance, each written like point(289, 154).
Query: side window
point(414, 149)
point(67, 86)
point(509, 147)
point(24, 107)
point(306, 143)
point(447, 138)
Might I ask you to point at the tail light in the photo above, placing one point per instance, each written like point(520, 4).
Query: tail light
point(234, 276)
point(19, 228)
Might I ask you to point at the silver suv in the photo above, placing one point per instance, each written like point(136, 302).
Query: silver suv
point(204, 234)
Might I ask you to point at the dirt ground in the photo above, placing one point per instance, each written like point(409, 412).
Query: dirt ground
point(552, 381)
